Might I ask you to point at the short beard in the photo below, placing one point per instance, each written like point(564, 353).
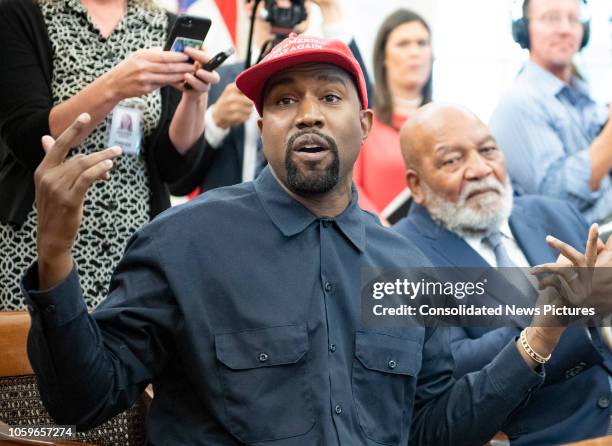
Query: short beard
point(312, 183)
point(466, 221)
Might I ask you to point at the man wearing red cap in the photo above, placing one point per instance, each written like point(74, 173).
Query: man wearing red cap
point(243, 306)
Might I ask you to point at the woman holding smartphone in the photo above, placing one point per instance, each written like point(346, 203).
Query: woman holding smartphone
point(61, 58)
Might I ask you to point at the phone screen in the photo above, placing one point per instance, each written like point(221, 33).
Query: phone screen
point(180, 43)
point(188, 31)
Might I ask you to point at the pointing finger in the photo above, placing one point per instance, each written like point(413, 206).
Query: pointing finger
point(76, 166)
point(591, 247)
point(568, 251)
point(67, 140)
point(47, 142)
point(99, 171)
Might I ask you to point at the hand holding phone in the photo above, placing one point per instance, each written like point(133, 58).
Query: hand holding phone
point(133, 78)
point(213, 63)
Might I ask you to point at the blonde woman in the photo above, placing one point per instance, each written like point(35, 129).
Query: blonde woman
point(64, 57)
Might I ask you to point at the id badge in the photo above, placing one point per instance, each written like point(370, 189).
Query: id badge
point(125, 130)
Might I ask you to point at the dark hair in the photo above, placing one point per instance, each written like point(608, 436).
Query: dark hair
point(382, 95)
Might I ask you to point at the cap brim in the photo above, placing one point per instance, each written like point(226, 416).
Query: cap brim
point(252, 81)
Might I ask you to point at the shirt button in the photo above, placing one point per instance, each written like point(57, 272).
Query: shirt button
point(50, 309)
point(112, 206)
point(392, 364)
point(326, 223)
point(338, 409)
point(328, 286)
point(603, 402)
point(332, 348)
point(263, 357)
point(109, 55)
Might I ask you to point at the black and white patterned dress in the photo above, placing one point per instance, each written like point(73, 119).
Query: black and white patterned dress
point(113, 210)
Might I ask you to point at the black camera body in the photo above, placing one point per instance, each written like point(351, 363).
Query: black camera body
point(283, 20)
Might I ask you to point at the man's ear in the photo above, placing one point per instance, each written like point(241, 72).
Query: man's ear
point(366, 116)
point(414, 184)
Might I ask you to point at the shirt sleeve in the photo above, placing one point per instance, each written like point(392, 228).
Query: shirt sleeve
point(91, 367)
point(214, 134)
point(469, 410)
point(24, 88)
point(472, 354)
point(537, 159)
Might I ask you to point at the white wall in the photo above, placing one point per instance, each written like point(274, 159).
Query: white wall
point(475, 56)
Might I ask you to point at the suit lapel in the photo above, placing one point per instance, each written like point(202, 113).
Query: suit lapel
point(446, 244)
point(530, 236)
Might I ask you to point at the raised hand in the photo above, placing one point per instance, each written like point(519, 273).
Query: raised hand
point(232, 108)
point(198, 79)
point(573, 282)
point(61, 185)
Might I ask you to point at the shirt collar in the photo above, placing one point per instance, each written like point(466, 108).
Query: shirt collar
point(551, 84)
point(291, 217)
point(504, 230)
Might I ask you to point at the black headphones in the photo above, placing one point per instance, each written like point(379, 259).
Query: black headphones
point(520, 30)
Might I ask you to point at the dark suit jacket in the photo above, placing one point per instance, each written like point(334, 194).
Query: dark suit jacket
point(574, 402)
point(223, 166)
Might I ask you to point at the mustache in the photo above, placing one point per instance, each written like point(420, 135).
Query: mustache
point(487, 183)
point(331, 142)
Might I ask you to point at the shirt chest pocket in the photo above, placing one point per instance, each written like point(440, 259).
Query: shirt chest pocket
point(264, 378)
point(385, 370)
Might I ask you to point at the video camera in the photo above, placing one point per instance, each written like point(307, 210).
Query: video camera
point(282, 22)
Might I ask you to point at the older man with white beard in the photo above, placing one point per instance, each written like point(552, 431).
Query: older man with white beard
point(464, 215)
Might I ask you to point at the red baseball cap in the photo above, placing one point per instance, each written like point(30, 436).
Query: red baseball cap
point(294, 50)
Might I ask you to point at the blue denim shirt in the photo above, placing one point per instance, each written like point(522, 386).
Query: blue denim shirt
point(244, 311)
point(545, 128)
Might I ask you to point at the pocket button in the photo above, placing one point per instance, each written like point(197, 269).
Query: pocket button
point(263, 357)
point(338, 409)
point(392, 364)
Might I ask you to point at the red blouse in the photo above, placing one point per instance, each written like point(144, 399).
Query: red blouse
point(379, 173)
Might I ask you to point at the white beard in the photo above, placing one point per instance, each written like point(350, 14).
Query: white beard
point(481, 217)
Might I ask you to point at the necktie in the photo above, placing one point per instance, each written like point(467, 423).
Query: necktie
point(510, 271)
point(494, 241)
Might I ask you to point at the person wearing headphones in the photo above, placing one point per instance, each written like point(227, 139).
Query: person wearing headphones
point(557, 140)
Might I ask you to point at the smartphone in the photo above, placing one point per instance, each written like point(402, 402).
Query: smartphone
point(188, 31)
point(214, 63)
point(218, 59)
